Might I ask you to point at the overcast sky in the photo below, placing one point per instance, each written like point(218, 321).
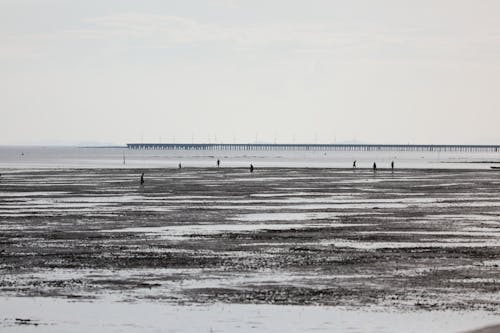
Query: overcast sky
point(375, 71)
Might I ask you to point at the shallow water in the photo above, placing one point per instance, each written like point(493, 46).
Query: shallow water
point(210, 229)
point(74, 157)
point(60, 315)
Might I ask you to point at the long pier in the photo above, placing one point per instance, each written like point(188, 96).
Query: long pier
point(314, 147)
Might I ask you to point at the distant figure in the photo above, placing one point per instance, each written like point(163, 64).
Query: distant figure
point(22, 154)
point(374, 166)
point(124, 159)
point(392, 165)
point(180, 166)
point(251, 167)
point(218, 163)
point(354, 164)
point(142, 178)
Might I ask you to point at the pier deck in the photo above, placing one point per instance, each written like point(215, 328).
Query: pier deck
point(314, 147)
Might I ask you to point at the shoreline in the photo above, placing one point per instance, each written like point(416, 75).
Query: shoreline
point(242, 166)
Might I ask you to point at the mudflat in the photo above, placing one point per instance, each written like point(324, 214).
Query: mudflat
point(408, 239)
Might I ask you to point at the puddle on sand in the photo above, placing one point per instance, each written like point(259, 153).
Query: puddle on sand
point(292, 194)
point(261, 217)
point(310, 206)
point(105, 315)
point(177, 231)
point(474, 233)
point(465, 217)
point(31, 194)
point(404, 245)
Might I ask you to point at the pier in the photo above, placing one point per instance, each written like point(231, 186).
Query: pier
point(314, 147)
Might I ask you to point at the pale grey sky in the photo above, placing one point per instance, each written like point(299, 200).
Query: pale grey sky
point(377, 71)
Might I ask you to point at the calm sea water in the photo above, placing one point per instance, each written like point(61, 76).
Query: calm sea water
point(77, 157)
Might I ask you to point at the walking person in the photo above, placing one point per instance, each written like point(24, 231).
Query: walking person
point(374, 166)
point(251, 168)
point(218, 163)
point(354, 164)
point(392, 166)
point(142, 179)
point(180, 166)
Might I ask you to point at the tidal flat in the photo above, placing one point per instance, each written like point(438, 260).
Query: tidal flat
point(412, 241)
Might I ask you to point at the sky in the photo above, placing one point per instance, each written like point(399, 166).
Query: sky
point(121, 71)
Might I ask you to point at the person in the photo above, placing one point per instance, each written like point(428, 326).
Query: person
point(354, 164)
point(374, 166)
point(142, 178)
point(392, 165)
point(180, 166)
point(218, 163)
point(251, 167)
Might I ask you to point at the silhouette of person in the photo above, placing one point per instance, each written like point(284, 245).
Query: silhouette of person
point(251, 167)
point(218, 163)
point(392, 165)
point(354, 164)
point(374, 166)
point(142, 178)
point(180, 166)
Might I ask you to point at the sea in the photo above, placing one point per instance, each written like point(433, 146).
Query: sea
point(122, 157)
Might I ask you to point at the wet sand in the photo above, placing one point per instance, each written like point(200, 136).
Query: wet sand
point(412, 240)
